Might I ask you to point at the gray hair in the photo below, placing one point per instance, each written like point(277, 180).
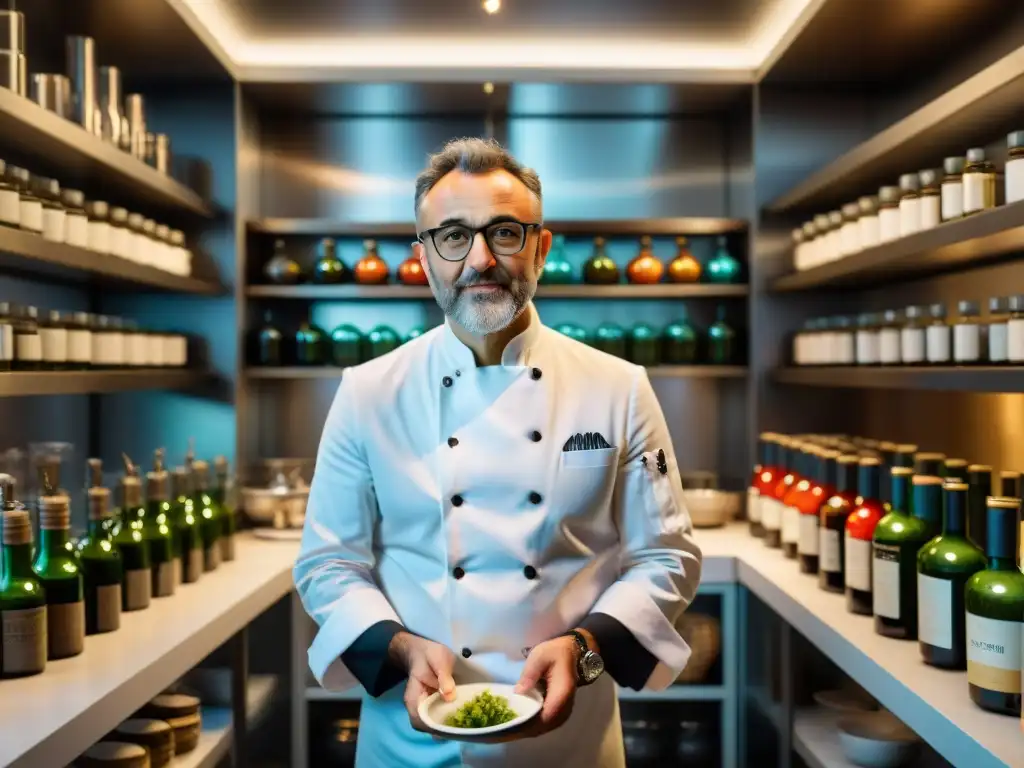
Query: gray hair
point(473, 155)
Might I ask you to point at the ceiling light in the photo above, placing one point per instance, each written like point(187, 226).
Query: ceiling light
point(488, 88)
point(491, 6)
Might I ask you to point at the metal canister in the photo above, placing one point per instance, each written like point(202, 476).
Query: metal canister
point(52, 92)
point(110, 101)
point(135, 109)
point(81, 61)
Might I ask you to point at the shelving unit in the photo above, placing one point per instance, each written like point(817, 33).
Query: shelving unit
point(816, 740)
point(218, 728)
point(28, 383)
point(663, 371)
point(403, 292)
point(946, 378)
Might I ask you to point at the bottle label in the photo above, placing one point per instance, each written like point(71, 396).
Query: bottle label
point(935, 611)
point(1015, 340)
point(993, 653)
point(121, 242)
point(938, 343)
point(99, 236)
point(55, 344)
point(929, 211)
point(979, 191)
point(808, 543)
point(868, 231)
point(885, 581)
point(6, 342)
point(138, 589)
point(858, 564)
point(53, 225)
point(76, 230)
point(23, 638)
point(912, 345)
point(10, 207)
point(952, 200)
point(1014, 180)
point(193, 565)
point(889, 345)
point(997, 343)
point(867, 347)
point(227, 548)
point(79, 346)
point(830, 560)
point(211, 557)
point(28, 346)
point(178, 571)
point(138, 354)
point(753, 505)
point(910, 217)
point(163, 579)
point(790, 525)
point(108, 608)
point(32, 215)
point(889, 224)
point(65, 629)
point(966, 342)
point(771, 514)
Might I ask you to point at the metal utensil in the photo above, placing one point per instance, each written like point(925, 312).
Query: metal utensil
point(81, 62)
point(53, 92)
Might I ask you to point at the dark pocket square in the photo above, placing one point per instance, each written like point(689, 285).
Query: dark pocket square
point(586, 441)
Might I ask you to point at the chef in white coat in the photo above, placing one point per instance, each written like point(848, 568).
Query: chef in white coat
point(490, 491)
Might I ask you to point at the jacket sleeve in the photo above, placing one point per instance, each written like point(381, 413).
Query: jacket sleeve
point(334, 573)
point(660, 561)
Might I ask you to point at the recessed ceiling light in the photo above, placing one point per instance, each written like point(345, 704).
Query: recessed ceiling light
point(488, 88)
point(491, 6)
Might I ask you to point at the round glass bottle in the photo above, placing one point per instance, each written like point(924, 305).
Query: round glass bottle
point(557, 269)
point(371, 269)
point(599, 268)
point(679, 342)
point(269, 343)
point(380, 340)
point(685, 268)
point(310, 342)
point(281, 269)
point(329, 269)
point(346, 345)
point(611, 339)
point(644, 346)
point(645, 268)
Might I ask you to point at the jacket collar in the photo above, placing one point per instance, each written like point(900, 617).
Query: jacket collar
point(517, 351)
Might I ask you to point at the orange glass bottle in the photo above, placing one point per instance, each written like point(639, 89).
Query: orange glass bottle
point(772, 506)
point(860, 531)
point(371, 269)
point(645, 268)
point(766, 474)
point(823, 487)
point(791, 513)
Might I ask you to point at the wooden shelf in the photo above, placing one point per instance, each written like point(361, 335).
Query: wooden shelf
point(30, 254)
point(816, 740)
point(398, 291)
point(948, 378)
point(25, 383)
point(973, 113)
point(971, 241)
point(63, 146)
point(620, 228)
point(658, 371)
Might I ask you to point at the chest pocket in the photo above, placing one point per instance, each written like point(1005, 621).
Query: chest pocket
point(585, 480)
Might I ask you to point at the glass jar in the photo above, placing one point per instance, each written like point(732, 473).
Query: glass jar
point(952, 192)
point(821, 239)
point(803, 344)
point(179, 350)
point(937, 336)
point(998, 343)
point(6, 335)
point(866, 340)
point(167, 338)
point(76, 223)
point(849, 234)
point(1015, 329)
point(912, 336)
point(105, 343)
point(835, 224)
point(48, 190)
point(867, 224)
point(645, 268)
point(888, 214)
point(842, 341)
point(155, 348)
point(135, 353)
point(136, 238)
point(910, 194)
point(799, 249)
point(53, 336)
point(821, 342)
point(121, 240)
point(967, 333)
point(1015, 167)
point(164, 252)
point(31, 215)
point(979, 179)
point(149, 242)
point(929, 204)
point(28, 345)
point(889, 338)
point(79, 325)
point(182, 256)
point(810, 232)
point(99, 225)
point(10, 198)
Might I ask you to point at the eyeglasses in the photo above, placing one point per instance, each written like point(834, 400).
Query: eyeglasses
point(453, 242)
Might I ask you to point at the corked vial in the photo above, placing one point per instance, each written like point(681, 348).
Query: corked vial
point(156, 736)
point(182, 713)
point(23, 618)
point(114, 754)
point(166, 563)
point(61, 577)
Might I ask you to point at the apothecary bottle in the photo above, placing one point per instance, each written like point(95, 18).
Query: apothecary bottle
point(76, 222)
point(102, 567)
point(188, 540)
point(136, 343)
point(1015, 167)
point(162, 249)
point(888, 213)
point(822, 488)
point(98, 213)
point(281, 269)
point(106, 343)
point(122, 241)
point(137, 585)
point(860, 531)
point(10, 198)
point(611, 339)
point(952, 192)
point(134, 239)
point(910, 193)
point(772, 506)
point(808, 245)
point(994, 601)
point(53, 337)
point(834, 238)
point(889, 338)
point(156, 528)
point(7, 323)
point(329, 269)
point(867, 222)
point(644, 345)
point(766, 475)
point(371, 269)
point(28, 345)
point(1015, 329)
point(182, 255)
point(967, 333)
point(849, 233)
point(679, 342)
point(805, 470)
point(998, 332)
point(149, 243)
point(211, 525)
point(380, 340)
point(937, 336)
point(599, 269)
point(310, 344)
point(228, 515)
point(346, 345)
point(944, 565)
point(685, 268)
point(723, 348)
point(31, 215)
point(799, 249)
point(723, 266)
point(23, 641)
point(79, 325)
point(866, 339)
point(59, 573)
point(842, 345)
point(48, 190)
point(646, 268)
point(979, 180)
point(803, 343)
point(832, 525)
point(912, 336)
point(269, 343)
point(929, 204)
point(822, 240)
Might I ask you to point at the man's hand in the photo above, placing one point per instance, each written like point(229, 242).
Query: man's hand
point(429, 666)
point(554, 664)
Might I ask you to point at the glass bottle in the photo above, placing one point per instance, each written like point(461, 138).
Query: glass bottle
point(937, 336)
point(211, 526)
point(805, 468)
point(610, 338)
point(645, 268)
point(48, 190)
point(998, 330)
point(310, 343)
point(58, 571)
point(122, 241)
point(98, 213)
point(1010, 484)
point(7, 323)
point(156, 527)
point(371, 269)
point(684, 268)
point(149, 244)
point(329, 268)
point(994, 601)
point(137, 586)
point(912, 336)
point(100, 560)
point(281, 269)
point(722, 347)
point(557, 269)
point(574, 331)
point(53, 338)
point(833, 239)
point(346, 345)
point(269, 343)
point(165, 252)
point(79, 325)
point(31, 215)
point(860, 530)
point(763, 480)
point(1015, 167)
point(822, 241)
point(772, 506)
point(929, 204)
point(952, 192)
point(135, 240)
point(910, 193)
point(979, 487)
point(76, 222)
point(723, 268)
point(867, 222)
point(185, 524)
point(967, 333)
point(643, 345)
point(23, 642)
point(799, 250)
point(930, 463)
point(866, 339)
point(381, 340)
point(28, 344)
point(944, 565)
point(1015, 330)
point(411, 272)
point(599, 268)
point(10, 198)
point(823, 487)
point(956, 468)
point(810, 233)
point(898, 537)
point(849, 233)
point(979, 180)
point(679, 342)
point(889, 335)
point(228, 514)
point(889, 213)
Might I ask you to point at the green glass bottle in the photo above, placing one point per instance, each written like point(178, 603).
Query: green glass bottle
point(573, 331)
point(721, 341)
point(329, 269)
point(100, 560)
point(908, 525)
point(346, 345)
point(994, 599)
point(414, 333)
point(679, 343)
point(610, 338)
point(137, 586)
point(944, 566)
point(557, 269)
point(227, 512)
point(269, 343)
point(723, 268)
point(381, 340)
point(58, 571)
point(157, 530)
point(310, 345)
point(188, 540)
point(600, 269)
point(979, 488)
point(23, 641)
point(211, 526)
point(644, 345)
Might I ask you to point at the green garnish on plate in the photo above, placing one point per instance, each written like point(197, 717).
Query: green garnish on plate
point(482, 711)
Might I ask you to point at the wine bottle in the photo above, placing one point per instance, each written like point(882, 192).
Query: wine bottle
point(771, 504)
point(227, 513)
point(764, 478)
point(979, 488)
point(911, 522)
point(22, 599)
point(137, 587)
point(930, 464)
point(185, 524)
point(211, 526)
point(61, 578)
point(790, 533)
point(957, 468)
point(944, 565)
point(832, 525)
point(860, 529)
point(822, 487)
point(994, 600)
point(102, 567)
point(156, 528)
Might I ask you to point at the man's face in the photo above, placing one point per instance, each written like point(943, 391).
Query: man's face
point(484, 292)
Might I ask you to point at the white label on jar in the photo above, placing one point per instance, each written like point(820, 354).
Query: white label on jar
point(1014, 180)
point(843, 348)
point(180, 351)
point(1015, 340)
point(10, 207)
point(829, 561)
point(808, 543)
point(753, 505)
point(868, 231)
point(106, 348)
point(912, 345)
point(120, 242)
point(952, 200)
point(910, 218)
point(28, 346)
point(889, 346)
point(79, 345)
point(966, 342)
point(790, 525)
point(53, 224)
point(99, 236)
point(55, 344)
point(155, 345)
point(997, 342)
point(32, 215)
point(76, 230)
point(168, 353)
point(849, 241)
point(867, 347)
point(6, 341)
point(974, 191)
point(858, 563)
point(993, 653)
point(137, 350)
point(885, 581)
point(771, 513)
point(935, 611)
point(140, 249)
point(938, 343)
point(929, 211)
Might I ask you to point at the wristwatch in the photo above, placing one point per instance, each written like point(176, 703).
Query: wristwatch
point(589, 664)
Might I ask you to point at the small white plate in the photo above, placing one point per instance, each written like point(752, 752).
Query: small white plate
point(434, 710)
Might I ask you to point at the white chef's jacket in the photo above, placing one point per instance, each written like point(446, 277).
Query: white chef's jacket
point(443, 499)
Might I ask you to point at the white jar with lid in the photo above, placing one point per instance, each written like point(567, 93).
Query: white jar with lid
point(135, 351)
point(821, 227)
point(80, 325)
point(179, 348)
point(832, 247)
point(182, 255)
point(952, 193)
point(149, 242)
point(10, 198)
point(107, 343)
point(866, 340)
point(849, 233)
point(998, 341)
point(31, 207)
point(910, 193)
point(120, 235)
point(967, 333)
point(842, 342)
point(170, 348)
point(802, 344)
point(888, 214)
point(99, 226)
point(76, 223)
point(162, 248)
point(867, 224)
point(912, 336)
point(938, 346)
point(889, 339)
point(799, 255)
point(1015, 167)
point(929, 206)
point(137, 238)
point(154, 349)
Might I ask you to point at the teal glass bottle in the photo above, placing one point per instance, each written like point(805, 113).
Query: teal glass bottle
point(269, 343)
point(644, 345)
point(557, 269)
point(722, 346)
point(573, 331)
point(723, 268)
point(346, 346)
point(102, 567)
point(414, 333)
point(310, 345)
point(610, 338)
point(22, 598)
point(58, 571)
point(679, 342)
point(381, 340)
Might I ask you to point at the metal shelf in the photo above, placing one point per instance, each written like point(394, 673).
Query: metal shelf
point(398, 291)
point(24, 383)
point(978, 378)
point(971, 241)
point(657, 371)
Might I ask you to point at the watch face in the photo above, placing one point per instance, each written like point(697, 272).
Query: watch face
point(591, 667)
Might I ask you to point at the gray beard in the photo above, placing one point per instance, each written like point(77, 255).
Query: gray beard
point(482, 314)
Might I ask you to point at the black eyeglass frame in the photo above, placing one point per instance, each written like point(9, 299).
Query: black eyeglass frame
point(526, 225)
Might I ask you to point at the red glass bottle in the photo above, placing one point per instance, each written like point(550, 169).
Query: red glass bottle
point(823, 487)
point(772, 506)
point(832, 518)
point(860, 530)
point(791, 501)
point(766, 474)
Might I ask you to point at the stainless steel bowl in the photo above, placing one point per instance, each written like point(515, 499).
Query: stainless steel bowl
point(278, 507)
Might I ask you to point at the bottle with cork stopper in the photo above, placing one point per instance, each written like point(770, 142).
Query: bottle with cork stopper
point(210, 521)
point(186, 523)
point(22, 599)
point(58, 571)
point(227, 512)
point(102, 566)
point(137, 584)
point(156, 527)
